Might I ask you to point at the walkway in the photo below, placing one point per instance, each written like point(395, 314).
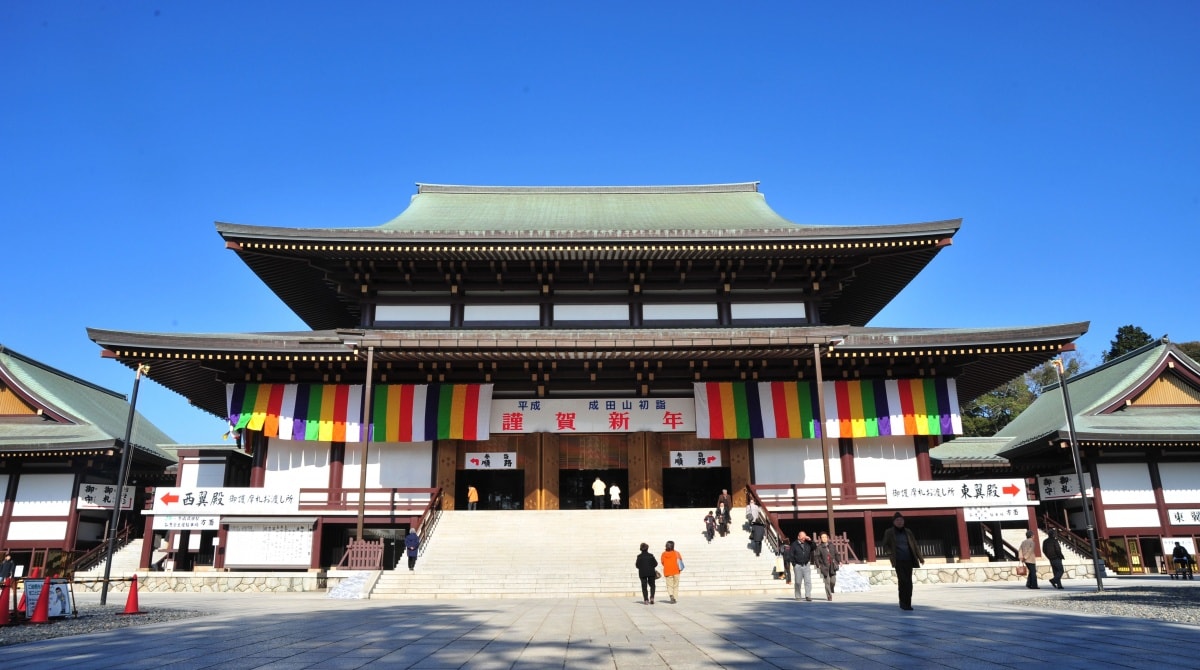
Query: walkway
point(953, 626)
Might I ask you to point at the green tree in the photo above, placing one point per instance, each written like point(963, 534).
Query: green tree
point(1128, 338)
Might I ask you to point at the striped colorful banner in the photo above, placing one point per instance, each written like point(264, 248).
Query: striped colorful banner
point(331, 412)
point(861, 408)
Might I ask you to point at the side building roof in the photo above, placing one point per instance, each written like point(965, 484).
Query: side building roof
point(70, 413)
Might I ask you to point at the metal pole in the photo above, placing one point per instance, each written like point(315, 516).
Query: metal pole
point(367, 415)
point(1097, 567)
point(122, 474)
point(824, 450)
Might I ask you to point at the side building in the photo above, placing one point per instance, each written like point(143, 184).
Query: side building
point(60, 452)
point(674, 340)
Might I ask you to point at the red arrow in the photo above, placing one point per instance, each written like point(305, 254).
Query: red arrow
point(169, 498)
point(1011, 490)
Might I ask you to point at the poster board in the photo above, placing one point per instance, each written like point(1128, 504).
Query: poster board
point(268, 544)
point(61, 603)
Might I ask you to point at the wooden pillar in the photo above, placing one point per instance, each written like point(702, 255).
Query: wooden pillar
point(550, 464)
point(337, 464)
point(219, 550)
point(739, 470)
point(846, 453)
point(1164, 517)
point(258, 462)
point(639, 494)
point(447, 465)
point(964, 543)
point(869, 530)
point(1031, 513)
point(315, 562)
point(529, 458)
point(147, 543)
point(1097, 501)
point(73, 518)
point(655, 457)
point(9, 496)
point(924, 468)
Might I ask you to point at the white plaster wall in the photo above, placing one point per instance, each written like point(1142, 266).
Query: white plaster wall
point(390, 465)
point(885, 459)
point(293, 464)
point(1131, 518)
point(793, 462)
point(202, 474)
point(1180, 482)
point(37, 530)
point(1125, 484)
point(44, 495)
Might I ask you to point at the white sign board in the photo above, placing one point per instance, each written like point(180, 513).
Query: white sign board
point(1184, 517)
point(1168, 547)
point(266, 545)
point(60, 597)
point(958, 493)
point(995, 514)
point(101, 496)
point(185, 522)
point(1056, 487)
point(217, 501)
point(598, 415)
point(696, 459)
point(492, 460)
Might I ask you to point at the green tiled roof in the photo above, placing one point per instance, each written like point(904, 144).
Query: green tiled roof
point(983, 449)
point(98, 414)
point(593, 208)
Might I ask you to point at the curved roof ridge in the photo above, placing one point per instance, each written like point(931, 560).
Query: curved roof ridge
point(732, 187)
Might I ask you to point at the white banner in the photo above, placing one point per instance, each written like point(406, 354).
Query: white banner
point(695, 459)
point(101, 496)
point(995, 514)
point(185, 522)
point(218, 501)
point(958, 493)
point(597, 415)
point(1055, 487)
point(1184, 517)
point(498, 460)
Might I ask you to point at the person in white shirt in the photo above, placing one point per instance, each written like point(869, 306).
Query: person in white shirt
point(614, 494)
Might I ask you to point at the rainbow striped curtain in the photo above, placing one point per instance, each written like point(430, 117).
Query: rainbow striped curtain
point(861, 408)
point(331, 412)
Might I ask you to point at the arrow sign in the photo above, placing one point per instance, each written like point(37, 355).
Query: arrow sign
point(170, 498)
point(1011, 490)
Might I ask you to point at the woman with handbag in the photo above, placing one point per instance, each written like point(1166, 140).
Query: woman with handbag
point(646, 564)
point(672, 565)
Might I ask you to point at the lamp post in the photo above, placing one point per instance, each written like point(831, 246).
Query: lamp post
point(1087, 508)
point(821, 427)
point(122, 475)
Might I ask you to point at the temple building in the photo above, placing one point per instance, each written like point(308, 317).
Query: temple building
point(60, 453)
point(525, 341)
point(1137, 428)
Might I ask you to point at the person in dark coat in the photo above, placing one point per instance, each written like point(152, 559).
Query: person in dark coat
point(710, 526)
point(411, 544)
point(1053, 552)
point(7, 568)
point(722, 520)
point(827, 564)
point(757, 532)
point(726, 500)
point(646, 564)
point(901, 547)
point(785, 552)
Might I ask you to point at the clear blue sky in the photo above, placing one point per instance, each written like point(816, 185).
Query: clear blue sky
point(1065, 134)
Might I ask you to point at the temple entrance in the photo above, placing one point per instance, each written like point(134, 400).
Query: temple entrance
point(498, 489)
point(694, 487)
point(575, 487)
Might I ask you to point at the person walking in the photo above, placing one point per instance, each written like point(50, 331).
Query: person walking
point(802, 551)
point(614, 495)
point(646, 566)
point(901, 546)
point(726, 500)
point(1027, 554)
point(1053, 553)
point(598, 493)
point(827, 562)
point(7, 568)
point(672, 565)
point(757, 532)
point(752, 511)
point(710, 526)
point(722, 519)
point(411, 544)
point(472, 498)
point(785, 553)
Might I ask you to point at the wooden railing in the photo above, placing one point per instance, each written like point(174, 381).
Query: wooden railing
point(797, 497)
point(1078, 544)
point(429, 521)
point(367, 555)
point(1001, 548)
point(391, 502)
point(774, 535)
point(363, 555)
point(91, 557)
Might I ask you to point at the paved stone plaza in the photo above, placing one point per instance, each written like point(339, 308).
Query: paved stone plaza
point(953, 626)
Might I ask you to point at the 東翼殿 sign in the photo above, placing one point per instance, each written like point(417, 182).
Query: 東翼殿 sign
point(958, 493)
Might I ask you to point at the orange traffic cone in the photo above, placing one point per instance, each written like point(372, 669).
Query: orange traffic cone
point(4, 616)
point(41, 609)
point(131, 603)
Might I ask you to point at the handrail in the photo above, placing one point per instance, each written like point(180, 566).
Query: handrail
point(841, 543)
point(798, 496)
point(429, 520)
point(998, 542)
point(1076, 543)
point(91, 557)
point(774, 532)
point(390, 501)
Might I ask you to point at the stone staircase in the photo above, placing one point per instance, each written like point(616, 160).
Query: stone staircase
point(124, 563)
point(545, 554)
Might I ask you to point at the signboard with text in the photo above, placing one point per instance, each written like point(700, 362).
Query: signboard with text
point(695, 459)
point(958, 493)
point(185, 522)
point(492, 460)
point(597, 415)
point(224, 500)
point(995, 514)
point(1184, 517)
point(101, 496)
point(1056, 487)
